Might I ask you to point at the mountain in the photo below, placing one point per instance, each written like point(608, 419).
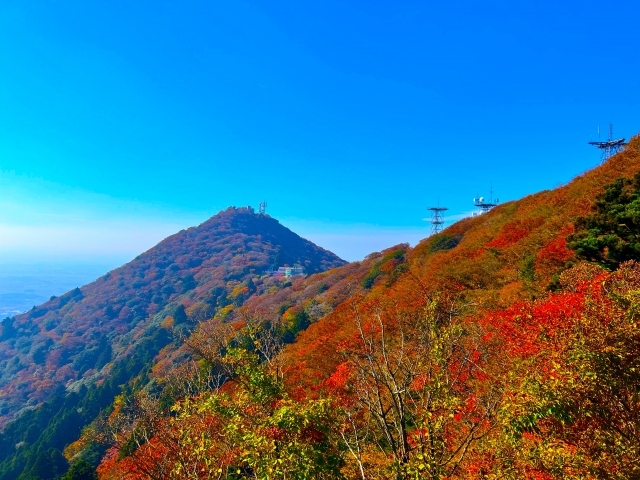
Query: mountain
point(506, 346)
point(513, 253)
point(463, 357)
point(112, 328)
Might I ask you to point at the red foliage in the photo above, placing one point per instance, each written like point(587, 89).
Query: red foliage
point(515, 231)
point(554, 254)
point(523, 324)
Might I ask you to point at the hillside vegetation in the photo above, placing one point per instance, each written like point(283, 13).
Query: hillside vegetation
point(507, 346)
point(501, 348)
point(70, 356)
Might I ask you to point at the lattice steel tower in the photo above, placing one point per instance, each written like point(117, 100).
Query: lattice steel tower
point(610, 147)
point(437, 219)
point(262, 209)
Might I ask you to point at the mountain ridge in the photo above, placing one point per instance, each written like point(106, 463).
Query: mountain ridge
point(514, 253)
point(490, 350)
point(234, 245)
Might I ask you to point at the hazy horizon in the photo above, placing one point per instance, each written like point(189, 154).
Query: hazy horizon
point(23, 286)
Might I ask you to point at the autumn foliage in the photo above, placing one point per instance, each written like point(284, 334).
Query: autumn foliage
point(505, 347)
point(543, 389)
point(487, 352)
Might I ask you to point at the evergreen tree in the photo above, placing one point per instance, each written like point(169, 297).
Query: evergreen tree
point(81, 470)
point(611, 235)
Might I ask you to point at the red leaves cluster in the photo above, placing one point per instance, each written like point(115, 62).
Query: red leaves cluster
point(570, 359)
point(337, 382)
point(515, 231)
point(554, 254)
point(523, 324)
point(529, 326)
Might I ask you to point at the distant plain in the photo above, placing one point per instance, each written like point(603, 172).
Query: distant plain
point(23, 286)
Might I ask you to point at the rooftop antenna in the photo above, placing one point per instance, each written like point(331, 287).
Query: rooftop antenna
point(485, 205)
point(437, 218)
point(610, 147)
point(262, 209)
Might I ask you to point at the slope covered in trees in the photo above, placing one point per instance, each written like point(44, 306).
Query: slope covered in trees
point(515, 252)
point(500, 348)
point(71, 354)
point(496, 349)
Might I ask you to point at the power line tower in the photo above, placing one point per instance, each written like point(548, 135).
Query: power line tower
point(262, 209)
point(437, 219)
point(611, 146)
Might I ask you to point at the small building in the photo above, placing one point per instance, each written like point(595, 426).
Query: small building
point(294, 271)
point(287, 272)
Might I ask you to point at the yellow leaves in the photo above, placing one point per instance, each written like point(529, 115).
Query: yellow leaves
point(74, 448)
point(167, 322)
point(223, 312)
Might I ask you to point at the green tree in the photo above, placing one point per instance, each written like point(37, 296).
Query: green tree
point(48, 465)
point(443, 242)
point(8, 330)
point(180, 315)
point(298, 322)
point(188, 283)
point(611, 235)
point(81, 470)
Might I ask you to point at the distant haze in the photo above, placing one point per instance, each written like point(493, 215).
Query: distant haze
point(26, 285)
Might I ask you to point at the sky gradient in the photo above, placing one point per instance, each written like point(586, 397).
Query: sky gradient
point(121, 122)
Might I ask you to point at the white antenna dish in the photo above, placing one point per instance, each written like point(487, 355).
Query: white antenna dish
point(481, 199)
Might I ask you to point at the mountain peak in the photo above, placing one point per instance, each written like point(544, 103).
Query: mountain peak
point(68, 341)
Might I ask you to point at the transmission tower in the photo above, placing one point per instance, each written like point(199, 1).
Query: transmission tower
point(611, 146)
point(437, 219)
point(262, 209)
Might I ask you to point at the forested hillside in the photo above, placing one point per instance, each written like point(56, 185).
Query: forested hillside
point(68, 357)
point(507, 346)
point(516, 252)
point(504, 347)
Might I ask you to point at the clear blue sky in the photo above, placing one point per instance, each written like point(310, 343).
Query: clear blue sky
point(122, 122)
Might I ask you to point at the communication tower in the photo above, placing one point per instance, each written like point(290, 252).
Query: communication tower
point(485, 205)
point(262, 209)
point(611, 146)
point(437, 219)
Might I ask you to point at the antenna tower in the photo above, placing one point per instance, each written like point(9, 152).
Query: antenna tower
point(611, 146)
point(485, 205)
point(262, 209)
point(437, 219)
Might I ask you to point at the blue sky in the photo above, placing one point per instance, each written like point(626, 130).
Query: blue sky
point(123, 122)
